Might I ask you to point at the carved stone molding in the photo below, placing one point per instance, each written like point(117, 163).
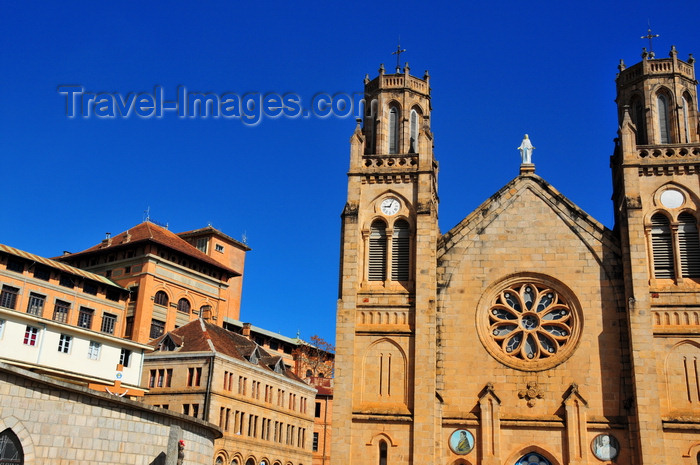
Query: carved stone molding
point(532, 393)
point(633, 203)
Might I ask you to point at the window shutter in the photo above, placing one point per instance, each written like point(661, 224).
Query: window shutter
point(377, 252)
point(400, 252)
point(662, 247)
point(393, 131)
point(689, 245)
point(664, 127)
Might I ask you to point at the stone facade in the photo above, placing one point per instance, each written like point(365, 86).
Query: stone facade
point(57, 422)
point(528, 333)
point(263, 409)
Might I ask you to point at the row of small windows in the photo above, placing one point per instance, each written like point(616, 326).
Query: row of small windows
point(664, 114)
point(65, 344)
point(162, 377)
point(255, 392)
point(379, 245)
point(183, 305)
point(36, 303)
point(262, 428)
point(676, 251)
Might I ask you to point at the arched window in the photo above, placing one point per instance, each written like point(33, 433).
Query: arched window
point(11, 451)
point(373, 115)
point(532, 458)
point(662, 246)
point(161, 298)
point(394, 130)
point(414, 132)
point(400, 251)
point(183, 305)
point(382, 452)
point(377, 251)
point(689, 245)
point(686, 118)
point(664, 122)
point(219, 461)
point(639, 120)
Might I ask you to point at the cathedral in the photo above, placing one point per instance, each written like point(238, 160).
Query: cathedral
point(529, 333)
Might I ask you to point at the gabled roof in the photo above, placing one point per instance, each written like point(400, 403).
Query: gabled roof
point(569, 212)
point(200, 336)
point(57, 265)
point(151, 232)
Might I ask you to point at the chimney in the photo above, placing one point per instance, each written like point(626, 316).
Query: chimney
point(246, 331)
point(107, 241)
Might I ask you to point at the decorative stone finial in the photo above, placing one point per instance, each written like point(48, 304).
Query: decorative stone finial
point(406, 68)
point(691, 60)
point(526, 149)
point(366, 78)
point(673, 52)
point(645, 54)
point(381, 68)
point(622, 66)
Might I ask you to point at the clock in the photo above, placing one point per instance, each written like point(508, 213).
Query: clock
point(390, 206)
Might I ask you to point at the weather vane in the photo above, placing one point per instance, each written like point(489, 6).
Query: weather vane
point(398, 53)
point(650, 36)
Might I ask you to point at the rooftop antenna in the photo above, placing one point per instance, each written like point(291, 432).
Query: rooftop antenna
point(147, 214)
point(650, 36)
point(398, 53)
point(244, 238)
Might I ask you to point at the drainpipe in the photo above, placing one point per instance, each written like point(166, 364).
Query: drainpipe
point(325, 428)
point(207, 395)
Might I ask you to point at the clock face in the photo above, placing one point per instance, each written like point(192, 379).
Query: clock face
point(390, 206)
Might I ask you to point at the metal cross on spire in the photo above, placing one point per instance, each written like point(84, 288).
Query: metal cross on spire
point(398, 53)
point(650, 36)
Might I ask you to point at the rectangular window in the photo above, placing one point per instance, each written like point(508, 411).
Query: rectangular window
point(109, 321)
point(42, 273)
point(152, 379)
point(317, 413)
point(195, 410)
point(194, 376)
point(85, 317)
point(8, 296)
point(168, 376)
point(161, 377)
point(30, 335)
point(94, 350)
point(60, 311)
point(202, 244)
point(90, 288)
point(157, 328)
point(129, 329)
point(15, 265)
point(36, 304)
point(186, 409)
point(66, 281)
point(2, 327)
point(113, 294)
point(219, 248)
point(64, 343)
point(125, 358)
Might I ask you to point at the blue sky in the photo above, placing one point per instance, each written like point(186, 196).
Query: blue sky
point(498, 70)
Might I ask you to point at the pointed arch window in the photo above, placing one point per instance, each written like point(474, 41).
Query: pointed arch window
point(664, 122)
point(662, 247)
point(400, 251)
point(689, 245)
point(686, 123)
point(414, 132)
point(639, 120)
point(383, 452)
point(377, 251)
point(11, 451)
point(394, 130)
point(373, 116)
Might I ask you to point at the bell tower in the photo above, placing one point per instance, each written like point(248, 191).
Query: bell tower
point(385, 404)
point(656, 195)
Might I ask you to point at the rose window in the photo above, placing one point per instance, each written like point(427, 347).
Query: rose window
point(531, 322)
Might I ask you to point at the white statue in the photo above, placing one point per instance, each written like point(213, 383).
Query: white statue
point(526, 149)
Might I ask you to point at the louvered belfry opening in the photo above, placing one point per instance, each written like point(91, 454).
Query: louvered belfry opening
point(662, 246)
point(377, 251)
point(400, 251)
point(689, 245)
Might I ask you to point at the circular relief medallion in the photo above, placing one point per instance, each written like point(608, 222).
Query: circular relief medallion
point(672, 198)
point(461, 442)
point(529, 324)
point(605, 447)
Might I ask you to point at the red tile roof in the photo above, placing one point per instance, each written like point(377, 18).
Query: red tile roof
point(210, 230)
point(200, 336)
point(151, 232)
